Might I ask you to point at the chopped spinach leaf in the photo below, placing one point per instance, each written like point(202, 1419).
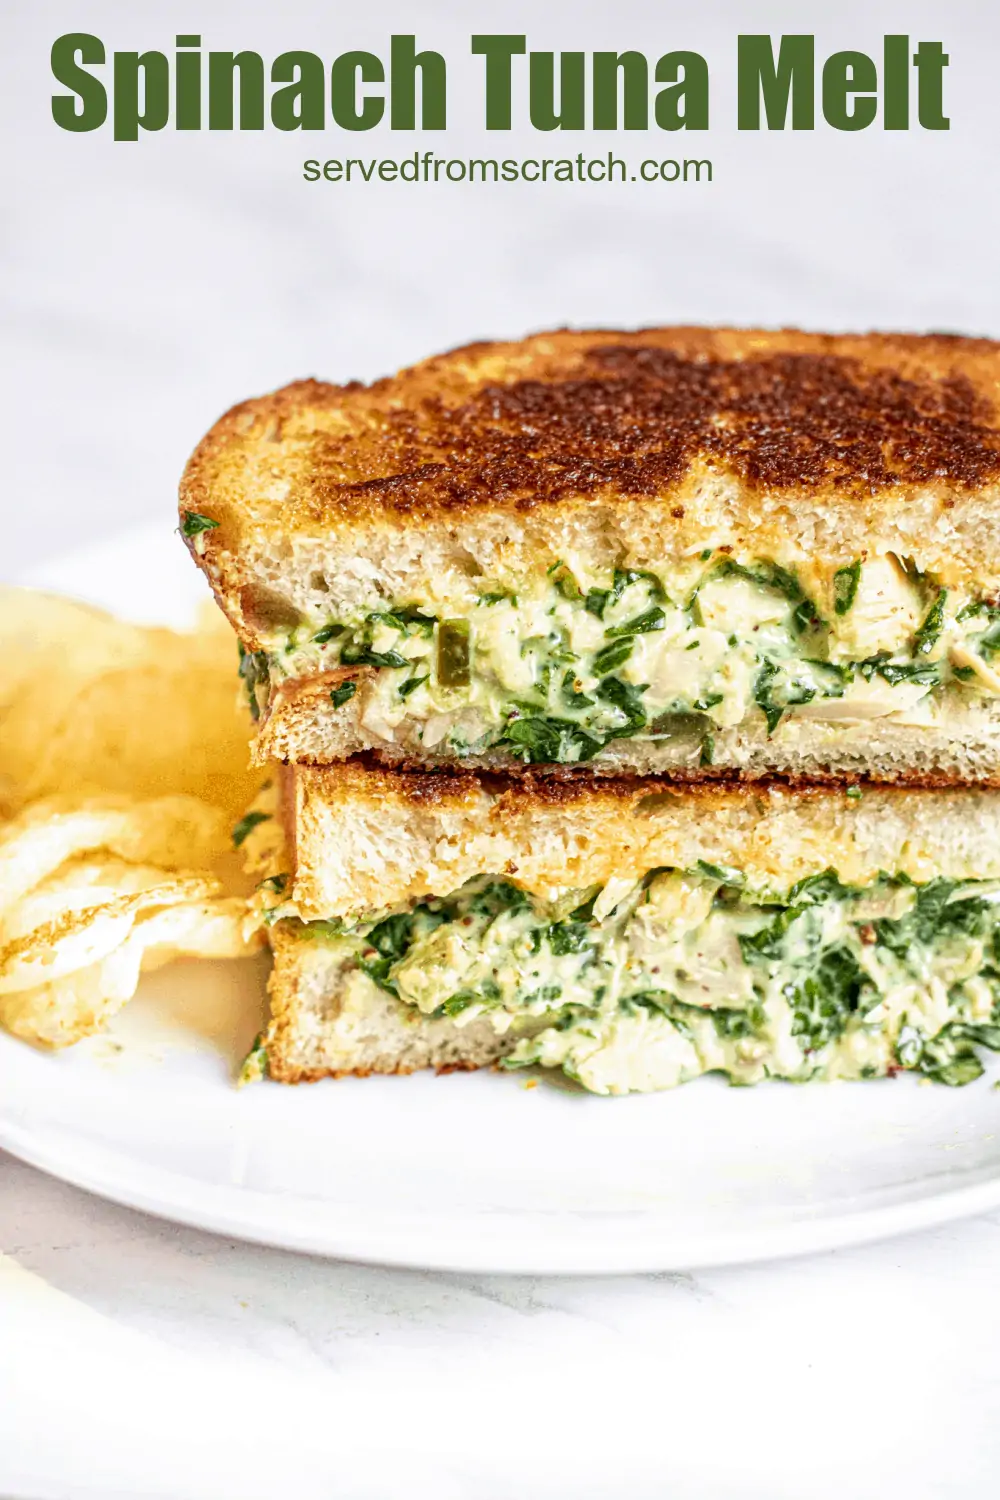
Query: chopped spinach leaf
point(964, 1067)
point(387, 943)
point(487, 997)
point(897, 671)
point(610, 657)
point(192, 524)
point(726, 874)
point(768, 942)
point(254, 1066)
point(734, 1025)
point(653, 619)
point(596, 602)
point(658, 1001)
point(254, 673)
point(540, 739)
point(842, 671)
point(570, 937)
point(930, 627)
point(585, 911)
point(246, 824)
point(625, 577)
point(766, 575)
point(571, 694)
point(400, 617)
point(813, 889)
point(357, 654)
point(628, 699)
point(948, 1057)
point(806, 616)
point(498, 896)
point(455, 1004)
point(343, 694)
point(845, 587)
point(823, 1003)
point(924, 919)
point(327, 634)
point(977, 607)
point(762, 692)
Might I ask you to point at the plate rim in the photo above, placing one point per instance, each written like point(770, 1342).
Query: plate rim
point(564, 1252)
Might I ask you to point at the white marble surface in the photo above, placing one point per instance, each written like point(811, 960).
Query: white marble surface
point(142, 289)
point(141, 1360)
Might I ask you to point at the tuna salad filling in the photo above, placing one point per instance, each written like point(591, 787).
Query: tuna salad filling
point(644, 984)
point(557, 673)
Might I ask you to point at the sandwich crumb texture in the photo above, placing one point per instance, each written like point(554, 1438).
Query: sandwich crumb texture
point(368, 839)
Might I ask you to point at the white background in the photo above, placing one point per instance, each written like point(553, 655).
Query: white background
point(145, 287)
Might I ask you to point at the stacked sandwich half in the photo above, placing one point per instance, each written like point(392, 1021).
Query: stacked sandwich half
point(633, 704)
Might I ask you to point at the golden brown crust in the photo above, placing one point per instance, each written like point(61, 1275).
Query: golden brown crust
point(565, 786)
point(283, 1071)
point(623, 416)
point(546, 780)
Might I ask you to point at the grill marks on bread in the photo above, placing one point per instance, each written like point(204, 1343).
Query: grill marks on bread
point(575, 414)
point(639, 423)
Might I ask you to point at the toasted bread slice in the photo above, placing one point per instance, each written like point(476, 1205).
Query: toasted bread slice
point(635, 933)
point(432, 550)
point(363, 839)
point(496, 459)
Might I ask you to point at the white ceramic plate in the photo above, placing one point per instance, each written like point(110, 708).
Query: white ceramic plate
point(467, 1172)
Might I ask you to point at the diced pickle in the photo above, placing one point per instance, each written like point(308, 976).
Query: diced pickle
point(565, 582)
point(453, 653)
point(684, 728)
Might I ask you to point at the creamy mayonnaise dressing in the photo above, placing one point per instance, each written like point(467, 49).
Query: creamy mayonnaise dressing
point(558, 671)
point(645, 984)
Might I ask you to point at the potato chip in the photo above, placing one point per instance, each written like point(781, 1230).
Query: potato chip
point(123, 770)
point(62, 1012)
point(83, 882)
point(95, 704)
point(41, 634)
point(78, 939)
point(199, 929)
point(172, 832)
point(59, 1014)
